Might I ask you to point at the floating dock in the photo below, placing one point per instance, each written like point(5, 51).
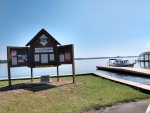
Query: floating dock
point(138, 71)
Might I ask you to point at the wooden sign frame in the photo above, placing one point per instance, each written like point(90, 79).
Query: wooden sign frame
point(43, 52)
point(17, 57)
point(66, 56)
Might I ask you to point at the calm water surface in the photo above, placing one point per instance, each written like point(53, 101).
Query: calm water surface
point(81, 66)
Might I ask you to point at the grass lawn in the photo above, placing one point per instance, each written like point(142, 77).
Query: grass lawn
point(89, 92)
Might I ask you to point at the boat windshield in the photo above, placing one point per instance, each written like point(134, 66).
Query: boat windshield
point(120, 62)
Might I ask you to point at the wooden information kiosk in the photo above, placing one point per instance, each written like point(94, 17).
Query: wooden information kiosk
point(44, 51)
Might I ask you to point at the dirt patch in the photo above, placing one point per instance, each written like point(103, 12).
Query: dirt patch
point(37, 86)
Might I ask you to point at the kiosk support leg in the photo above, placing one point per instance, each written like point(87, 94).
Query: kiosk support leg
point(9, 77)
point(73, 72)
point(31, 74)
point(57, 73)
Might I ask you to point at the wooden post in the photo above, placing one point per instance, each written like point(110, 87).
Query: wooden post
point(9, 76)
point(8, 66)
point(31, 74)
point(73, 72)
point(57, 73)
point(73, 64)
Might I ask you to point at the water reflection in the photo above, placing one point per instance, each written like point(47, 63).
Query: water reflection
point(144, 64)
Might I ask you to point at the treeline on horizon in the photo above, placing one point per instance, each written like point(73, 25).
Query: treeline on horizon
point(3, 61)
point(105, 57)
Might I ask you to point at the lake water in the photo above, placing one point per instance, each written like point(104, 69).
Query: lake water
point(81, 66)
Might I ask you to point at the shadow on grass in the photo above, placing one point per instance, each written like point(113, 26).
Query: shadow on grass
point(35, 87)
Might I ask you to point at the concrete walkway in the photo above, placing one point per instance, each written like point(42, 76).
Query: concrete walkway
point(140, 71)
point(141, 106)
point(130, 83)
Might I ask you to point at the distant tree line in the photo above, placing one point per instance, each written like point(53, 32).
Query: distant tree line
point(3, 61)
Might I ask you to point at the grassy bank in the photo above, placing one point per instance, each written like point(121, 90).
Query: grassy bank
point(64, 97)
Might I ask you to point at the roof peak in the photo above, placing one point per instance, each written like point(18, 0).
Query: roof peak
point(41, 32)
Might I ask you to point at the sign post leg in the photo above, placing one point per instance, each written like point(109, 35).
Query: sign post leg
point(73, 72)
point(57, 73)
point(73, 64)
point(8, 66)
point(9, 76)
point(31, 74)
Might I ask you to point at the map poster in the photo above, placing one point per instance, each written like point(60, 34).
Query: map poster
point(61, 57)
point(36, 58)
point(22, 58)
point(44, 58)
point(51, 57)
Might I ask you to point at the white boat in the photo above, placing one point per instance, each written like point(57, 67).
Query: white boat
point(121, 63)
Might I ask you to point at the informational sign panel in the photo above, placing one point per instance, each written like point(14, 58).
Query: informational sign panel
point(66, 54)
point(43, 50)
point(18, 56)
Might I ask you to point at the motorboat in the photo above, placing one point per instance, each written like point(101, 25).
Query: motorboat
point(121, 63)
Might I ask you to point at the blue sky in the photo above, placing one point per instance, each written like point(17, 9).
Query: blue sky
point(97, 28)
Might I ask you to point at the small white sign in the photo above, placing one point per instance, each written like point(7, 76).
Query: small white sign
point(14, 57)
point(61, 57)
point(51, 57)
point(45, 49)
point(13, 53)
point(44, 58)
point(36, 58)
point(67, 57)
point(14, 60)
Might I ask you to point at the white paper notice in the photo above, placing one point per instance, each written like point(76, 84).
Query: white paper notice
point(44, 58)
point(36, 58)
point(51, 57)
point(14, 60)
point(61, 58)
point(14, 57)
point(67, 57)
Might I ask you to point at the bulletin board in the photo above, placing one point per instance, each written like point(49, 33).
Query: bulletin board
point(18, 56)
point(66, 54)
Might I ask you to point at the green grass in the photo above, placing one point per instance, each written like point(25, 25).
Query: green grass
point(89, 92)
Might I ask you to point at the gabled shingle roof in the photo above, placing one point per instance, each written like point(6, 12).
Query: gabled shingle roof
point(42, 31)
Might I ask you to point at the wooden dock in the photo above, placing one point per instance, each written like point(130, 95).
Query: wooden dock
point(139, 71)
